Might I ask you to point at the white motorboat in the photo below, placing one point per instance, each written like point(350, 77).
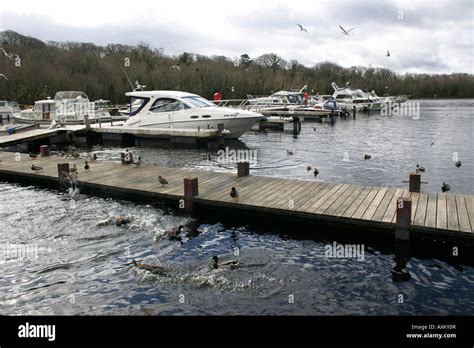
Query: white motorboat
point(284, 98)
point(348, 98)
point(67, 107)
point(8, 109)
point(182, 110)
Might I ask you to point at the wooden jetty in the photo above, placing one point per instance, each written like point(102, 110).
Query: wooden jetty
point(98, 132)
point(440, 216)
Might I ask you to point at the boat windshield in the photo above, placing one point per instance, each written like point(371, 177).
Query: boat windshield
point(198, 102)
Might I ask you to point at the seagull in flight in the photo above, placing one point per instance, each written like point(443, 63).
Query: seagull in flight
point(1, 75)
point(301, 28)
point(177, 67)
point(388, 54)
point(344, 31)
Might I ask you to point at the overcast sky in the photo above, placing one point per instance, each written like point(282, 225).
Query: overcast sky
point(422, 36)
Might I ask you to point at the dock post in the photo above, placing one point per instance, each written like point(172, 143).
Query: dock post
point(191, 190)
point(87, 122)
point(332, 117)
point(354, 112)
point(243, 169)
point(63, 171)
point(415, 182)
point(44, 150)
point(296, 125)
point(403, 222)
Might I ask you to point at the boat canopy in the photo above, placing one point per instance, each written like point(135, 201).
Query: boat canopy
point(71, 95)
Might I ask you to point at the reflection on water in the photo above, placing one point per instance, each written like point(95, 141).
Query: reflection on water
point(55, 259)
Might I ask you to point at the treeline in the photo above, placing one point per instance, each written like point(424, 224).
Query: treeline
point(47, 67)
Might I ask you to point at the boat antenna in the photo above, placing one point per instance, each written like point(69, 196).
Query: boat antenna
point(130, 82)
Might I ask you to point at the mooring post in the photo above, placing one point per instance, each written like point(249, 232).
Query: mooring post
point(296, 125)
point(403, 223)
point(126, 157)
point(243, 169)
point(415, 182)
point(332, 117)
point(354, 112)
point(191, 190)
point(63, 171)
point(87, 122)
point(44, 150)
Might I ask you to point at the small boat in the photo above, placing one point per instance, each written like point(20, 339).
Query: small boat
point(67, 107)
point(182, 110)
point(8, 109)
point(349, 97)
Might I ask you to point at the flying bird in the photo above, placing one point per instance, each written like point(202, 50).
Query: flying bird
point(388, 54)
point(344, 31)
point(301, 28)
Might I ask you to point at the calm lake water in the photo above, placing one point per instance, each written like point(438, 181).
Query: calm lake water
point(54, 259)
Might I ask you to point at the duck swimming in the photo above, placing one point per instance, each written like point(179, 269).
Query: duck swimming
point(445, 187)
point(228, 264)
point(458, 164)
point(150, 268)
point(308, 168)
point(94, 158)
point(118, 220)
point(173, 233)
point(367, 157)
point(138, 162)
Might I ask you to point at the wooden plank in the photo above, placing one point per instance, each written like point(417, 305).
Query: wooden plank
point(287, 194)
point(304, 197)
point(328, 202)
point(421, 210)
point(324, 198)
point(470, 209)
point(382, 208)
point(441, 214)
point(463, 217)
point(316, 196)
point(340, 200)
point(293, 196)
point(365, 203)
point(372, 208)
point(415, 196)
point(430, 220)
point(453, 222)
point(352, 203)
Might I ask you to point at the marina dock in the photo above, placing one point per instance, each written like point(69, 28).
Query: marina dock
point(440, 216)
point(96, 133)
